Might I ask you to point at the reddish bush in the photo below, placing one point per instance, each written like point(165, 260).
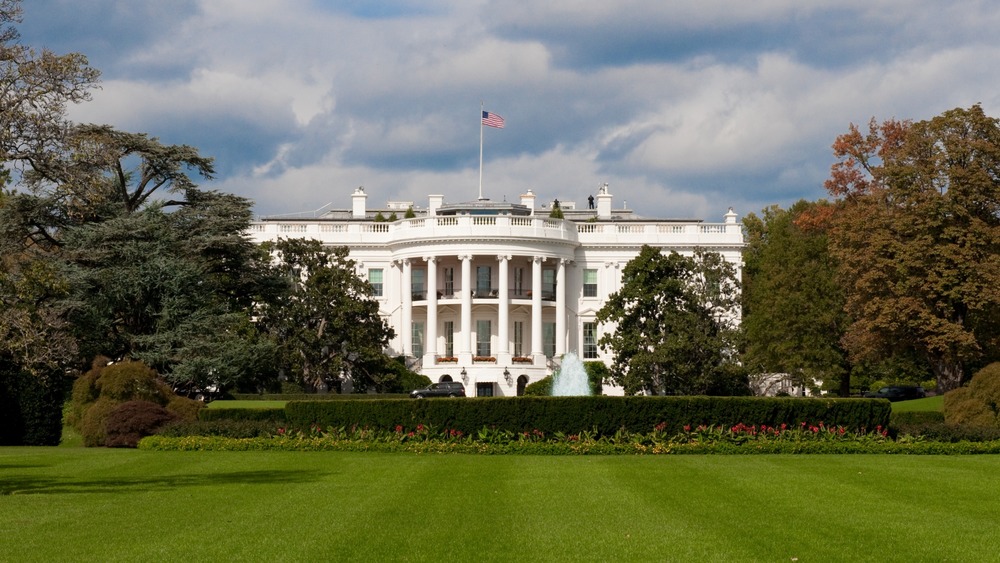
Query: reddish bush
point(131, 421)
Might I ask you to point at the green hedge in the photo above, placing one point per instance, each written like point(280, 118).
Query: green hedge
point(277, 415)
point(603, 415)
point(31, 409)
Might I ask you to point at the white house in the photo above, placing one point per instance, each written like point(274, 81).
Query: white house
point(494, 293)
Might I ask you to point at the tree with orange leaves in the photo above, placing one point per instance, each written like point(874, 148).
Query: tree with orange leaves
point(917, 237)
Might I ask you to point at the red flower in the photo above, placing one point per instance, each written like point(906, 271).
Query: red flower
point(399, 429)
point(687, 427)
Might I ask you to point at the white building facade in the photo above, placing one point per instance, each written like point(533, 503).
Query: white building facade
point(494, 294)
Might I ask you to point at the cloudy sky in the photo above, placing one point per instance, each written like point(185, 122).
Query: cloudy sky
point(683, 107)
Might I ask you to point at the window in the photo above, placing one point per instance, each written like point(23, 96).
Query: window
point(518, 281)
point(548, 284)
point(375, 279)
point(483, 338)
point(483, 281)
point(449, 281)
point(449, 339)
point(590, 283)
point(518, 338)
point(418, 283)
point(484, 389)
point(549, 339)
point(418, 339)
point(590, 341)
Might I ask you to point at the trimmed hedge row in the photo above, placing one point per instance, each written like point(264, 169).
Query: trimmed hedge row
point(600, 414)
point(30, 409)
point(274, 414)
point(314, 396)
point(218, 443)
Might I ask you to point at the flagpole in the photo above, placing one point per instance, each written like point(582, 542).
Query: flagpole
point(481, 106)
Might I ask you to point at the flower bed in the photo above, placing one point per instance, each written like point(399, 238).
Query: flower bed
point(738, 439)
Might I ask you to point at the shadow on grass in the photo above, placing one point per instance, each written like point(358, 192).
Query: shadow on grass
point(32, 485)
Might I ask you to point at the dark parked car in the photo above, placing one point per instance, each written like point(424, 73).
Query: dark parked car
point(443, 389)
point(898, 393)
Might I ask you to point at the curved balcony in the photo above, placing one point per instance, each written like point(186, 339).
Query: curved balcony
point(482, 227)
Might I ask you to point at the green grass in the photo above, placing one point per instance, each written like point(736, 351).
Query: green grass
point(935, 403)
point(232, 404)
point(77, 504)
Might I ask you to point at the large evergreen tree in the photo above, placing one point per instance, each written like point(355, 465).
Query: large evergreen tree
point(326, 324)
point(675, 325)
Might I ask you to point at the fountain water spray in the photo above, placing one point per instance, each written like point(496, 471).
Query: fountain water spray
point(571, 380)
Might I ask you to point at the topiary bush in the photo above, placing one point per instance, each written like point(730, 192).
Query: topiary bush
point(93, 425)
point(978, 403)
point(133, 381)
point(132, 421)
point(184, 408)
point(105, 386)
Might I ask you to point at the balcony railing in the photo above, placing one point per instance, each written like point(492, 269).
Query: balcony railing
point(503, 227)
point(547, 295)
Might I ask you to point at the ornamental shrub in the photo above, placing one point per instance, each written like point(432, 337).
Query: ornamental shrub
point(131, 421)
point(105, 386)
point(93, 425)
point(133, 381)
point(978, 403)
point(540, 388)
point(184, 408)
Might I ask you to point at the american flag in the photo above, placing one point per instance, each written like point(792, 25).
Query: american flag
point(492, 120)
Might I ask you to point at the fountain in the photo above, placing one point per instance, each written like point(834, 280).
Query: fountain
point(571, 380)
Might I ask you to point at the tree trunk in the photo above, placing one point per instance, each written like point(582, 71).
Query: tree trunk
point(948, 374)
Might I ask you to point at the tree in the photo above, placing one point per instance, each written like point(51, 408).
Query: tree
point(35, 88)
point(917, 236)
point(173, 290)
point(793, 304)
point(326, 324)
point(675, 323)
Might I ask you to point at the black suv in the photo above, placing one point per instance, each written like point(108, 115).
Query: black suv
point(898, 393)
point(443, 389)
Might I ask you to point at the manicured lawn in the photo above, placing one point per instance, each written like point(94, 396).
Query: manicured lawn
point(76, 504)
point(228, 404)
point(935, 403)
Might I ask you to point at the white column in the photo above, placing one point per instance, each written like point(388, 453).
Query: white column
point(561, 308)
point(536, 306)
point(431, 330)
point(407, 328)
point(503, 308)
point(465, 339)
